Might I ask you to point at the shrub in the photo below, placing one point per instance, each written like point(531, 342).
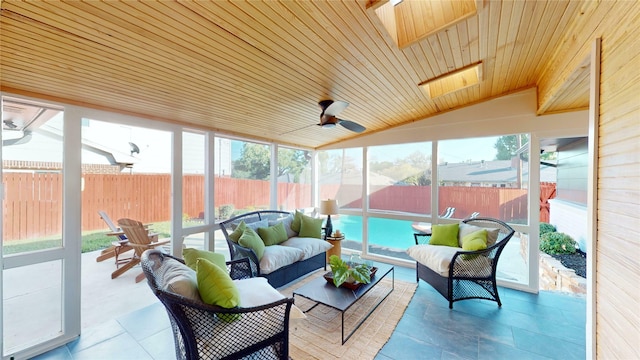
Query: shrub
point(226, 211)
point(557, 243)
point(546, 228)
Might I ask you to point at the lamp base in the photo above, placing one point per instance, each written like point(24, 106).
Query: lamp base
point(328, 228)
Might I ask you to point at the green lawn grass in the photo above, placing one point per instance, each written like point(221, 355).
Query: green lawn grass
point(91, 241)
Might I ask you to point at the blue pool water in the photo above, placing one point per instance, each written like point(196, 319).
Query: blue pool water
point(382, 232)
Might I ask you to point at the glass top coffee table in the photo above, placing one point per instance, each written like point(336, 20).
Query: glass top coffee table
point(341, 299)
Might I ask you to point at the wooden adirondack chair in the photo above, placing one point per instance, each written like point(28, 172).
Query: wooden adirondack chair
point(118, 247)
point(140, 239)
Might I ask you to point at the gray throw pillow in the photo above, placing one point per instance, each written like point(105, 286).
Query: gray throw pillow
point(287, 225)
point(466, 229)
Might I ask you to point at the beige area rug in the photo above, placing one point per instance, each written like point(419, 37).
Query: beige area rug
point(319, 335)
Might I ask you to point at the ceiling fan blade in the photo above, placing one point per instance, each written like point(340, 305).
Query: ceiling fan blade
point(334, 108)
point(350, 125)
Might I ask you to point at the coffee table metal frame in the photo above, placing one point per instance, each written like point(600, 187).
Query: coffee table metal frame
point(341, 299)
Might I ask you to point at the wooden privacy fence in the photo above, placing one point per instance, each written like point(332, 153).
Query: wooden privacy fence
point(32, 205)
point(547, 191)
point(501, 203)
point(33, 202)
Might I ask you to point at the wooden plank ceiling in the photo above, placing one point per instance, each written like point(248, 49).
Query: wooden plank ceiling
point(259, 68)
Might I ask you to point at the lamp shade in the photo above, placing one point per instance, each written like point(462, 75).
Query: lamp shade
point(329, 207)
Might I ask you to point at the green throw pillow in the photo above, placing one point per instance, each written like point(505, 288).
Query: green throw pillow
point(192, 255)
point(446, 235)
point(295, 224)
point(473, 242)
point(235, 235)
point(215, 285)
point(253, 241)
point(310, 227)
point(273, 235)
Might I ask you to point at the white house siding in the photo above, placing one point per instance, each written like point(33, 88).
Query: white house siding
point(571, 219)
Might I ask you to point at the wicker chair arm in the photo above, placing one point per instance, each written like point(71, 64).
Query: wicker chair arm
point(242, 252)
point(475, 266)
point(240, 268)
point(482, 262)
point(421, 239)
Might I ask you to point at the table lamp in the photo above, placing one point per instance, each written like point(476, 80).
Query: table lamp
point(328, 207)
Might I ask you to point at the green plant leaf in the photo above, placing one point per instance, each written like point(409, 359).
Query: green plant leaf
point(340, 276)
point(336, 262)
point(342, 272)
point(361, 273)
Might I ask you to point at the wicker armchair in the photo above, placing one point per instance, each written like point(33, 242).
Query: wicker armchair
point(472, 274)
point(204, 331)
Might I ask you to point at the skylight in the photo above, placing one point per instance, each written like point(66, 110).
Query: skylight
point(411, 21)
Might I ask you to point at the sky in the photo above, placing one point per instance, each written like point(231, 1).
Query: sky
point(460, 150)
point(453, 151)
point(155, 147)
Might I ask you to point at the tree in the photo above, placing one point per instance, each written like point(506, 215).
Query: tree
point(413, 169)
point(292, 162)
point(255, 162)
point(423, 179)
point(508, 145)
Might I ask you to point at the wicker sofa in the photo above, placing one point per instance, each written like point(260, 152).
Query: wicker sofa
point(458, 274)
point(281, 263)
point(257, 329)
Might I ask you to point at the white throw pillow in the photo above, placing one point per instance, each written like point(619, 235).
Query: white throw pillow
point(310, 246)
point(277, 256)
point(176, 277)
point(257, 292)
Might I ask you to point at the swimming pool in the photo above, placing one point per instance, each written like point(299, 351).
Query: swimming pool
point(382, 232)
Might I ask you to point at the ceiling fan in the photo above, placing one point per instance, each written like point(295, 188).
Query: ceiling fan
point(9, 124)
point(330, 111)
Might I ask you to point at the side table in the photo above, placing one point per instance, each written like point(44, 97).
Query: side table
point(337, 247)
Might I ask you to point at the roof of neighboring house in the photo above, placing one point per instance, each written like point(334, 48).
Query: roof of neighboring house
point(496, 171)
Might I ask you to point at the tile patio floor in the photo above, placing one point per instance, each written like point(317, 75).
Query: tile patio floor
point(528, 326)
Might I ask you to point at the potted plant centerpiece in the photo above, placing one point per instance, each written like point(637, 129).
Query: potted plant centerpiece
point(348, 272)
